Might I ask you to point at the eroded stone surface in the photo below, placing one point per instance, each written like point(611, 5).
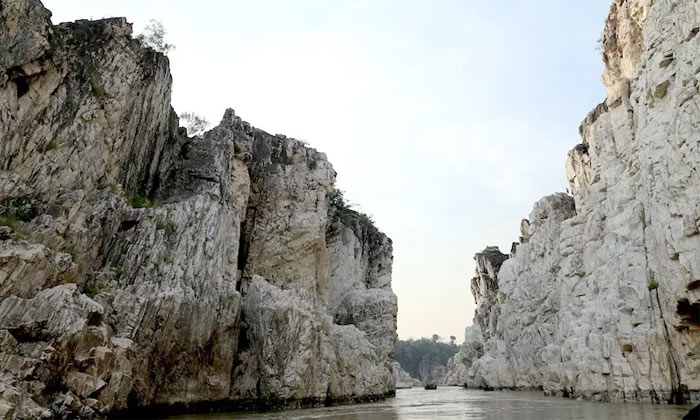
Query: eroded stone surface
point(139, 267)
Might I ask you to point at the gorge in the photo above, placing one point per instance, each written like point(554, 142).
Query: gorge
point(145, 270)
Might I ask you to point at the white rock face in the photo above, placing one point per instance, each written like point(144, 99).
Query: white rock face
point(361, 253)
point(144, 269)
point(296, 353)
point(604, 303)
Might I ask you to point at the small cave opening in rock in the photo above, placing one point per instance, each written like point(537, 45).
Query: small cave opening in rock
point(243, 249)
point(128, 225)
point(689, 312)
point(693, 285)
point(243, 340)
point(343, 319)
point(20, 79)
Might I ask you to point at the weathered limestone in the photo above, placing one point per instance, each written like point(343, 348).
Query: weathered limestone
point(142, 268)
point(603, 303)
point(360, 252)
point(296, 354)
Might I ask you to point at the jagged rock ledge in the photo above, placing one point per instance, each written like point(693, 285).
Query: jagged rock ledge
point(601, 298)
point(141, 267)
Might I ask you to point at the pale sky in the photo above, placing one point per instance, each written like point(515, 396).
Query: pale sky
point(445, 120)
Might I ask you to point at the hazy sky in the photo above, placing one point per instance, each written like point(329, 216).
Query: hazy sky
point(446, 120)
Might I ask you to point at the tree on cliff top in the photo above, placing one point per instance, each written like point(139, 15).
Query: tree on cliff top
point(154, 36)
point(194, 123)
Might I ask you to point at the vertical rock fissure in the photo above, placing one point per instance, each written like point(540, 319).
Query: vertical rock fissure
point(678, 396)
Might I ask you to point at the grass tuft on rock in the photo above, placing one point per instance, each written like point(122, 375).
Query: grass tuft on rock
point(9, 221)
point(140, 202)
point(73, 251)
point(97, 89)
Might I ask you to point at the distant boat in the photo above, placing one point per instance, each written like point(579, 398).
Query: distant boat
point(431, 386)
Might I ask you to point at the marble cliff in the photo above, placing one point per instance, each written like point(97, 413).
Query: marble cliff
point(601, 297)
point(144, 268)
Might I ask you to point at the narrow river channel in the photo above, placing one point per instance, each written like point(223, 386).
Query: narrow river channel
point(458, 403)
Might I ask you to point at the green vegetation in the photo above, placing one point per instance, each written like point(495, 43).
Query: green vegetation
point(23, 208)
point(92, 290)
point(600, 44)
point(73, 251)
point(96, 85)
point(336, 198)
point(194, 123)
point(345, 211)
point(9, 221)
point(139, 202)
point(154, 37)
point(411, 354)
point(112, 187)
point(652, 285)
point(52, 145)
point(160, 225)
point(365, 218)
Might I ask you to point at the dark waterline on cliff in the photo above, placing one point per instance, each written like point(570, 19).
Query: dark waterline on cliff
point(458, 403)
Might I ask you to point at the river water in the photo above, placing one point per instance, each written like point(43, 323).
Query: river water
point(457, 403)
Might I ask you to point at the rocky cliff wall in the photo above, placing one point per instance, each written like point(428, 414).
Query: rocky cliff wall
point(603, 301)
point(141, 267)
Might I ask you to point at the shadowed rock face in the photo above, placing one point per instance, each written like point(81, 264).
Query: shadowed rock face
point(140, 267)
point(403, 379)
point(599, 303)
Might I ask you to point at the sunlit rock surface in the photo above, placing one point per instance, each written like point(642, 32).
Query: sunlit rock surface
point(603, 302)
point(141, 267)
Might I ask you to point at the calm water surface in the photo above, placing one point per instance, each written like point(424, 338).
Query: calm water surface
point(458, 403)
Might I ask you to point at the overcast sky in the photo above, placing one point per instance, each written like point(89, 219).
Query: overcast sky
point(445, 120)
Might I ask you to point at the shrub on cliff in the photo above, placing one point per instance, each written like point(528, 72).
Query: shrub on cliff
point(345, 211)
point(154, 36)
point(194, 123)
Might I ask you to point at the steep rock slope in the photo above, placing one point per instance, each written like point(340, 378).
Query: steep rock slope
point(140, 267)
point(604, 302)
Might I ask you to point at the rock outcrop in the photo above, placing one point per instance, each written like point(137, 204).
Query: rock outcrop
point(403, 379)
point(601, 300)
point(141, 267)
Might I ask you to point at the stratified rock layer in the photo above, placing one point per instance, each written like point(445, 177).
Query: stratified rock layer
point(140, 267)
point(603, 301)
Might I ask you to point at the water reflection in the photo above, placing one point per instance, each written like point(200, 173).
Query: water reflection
point(457, 403)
